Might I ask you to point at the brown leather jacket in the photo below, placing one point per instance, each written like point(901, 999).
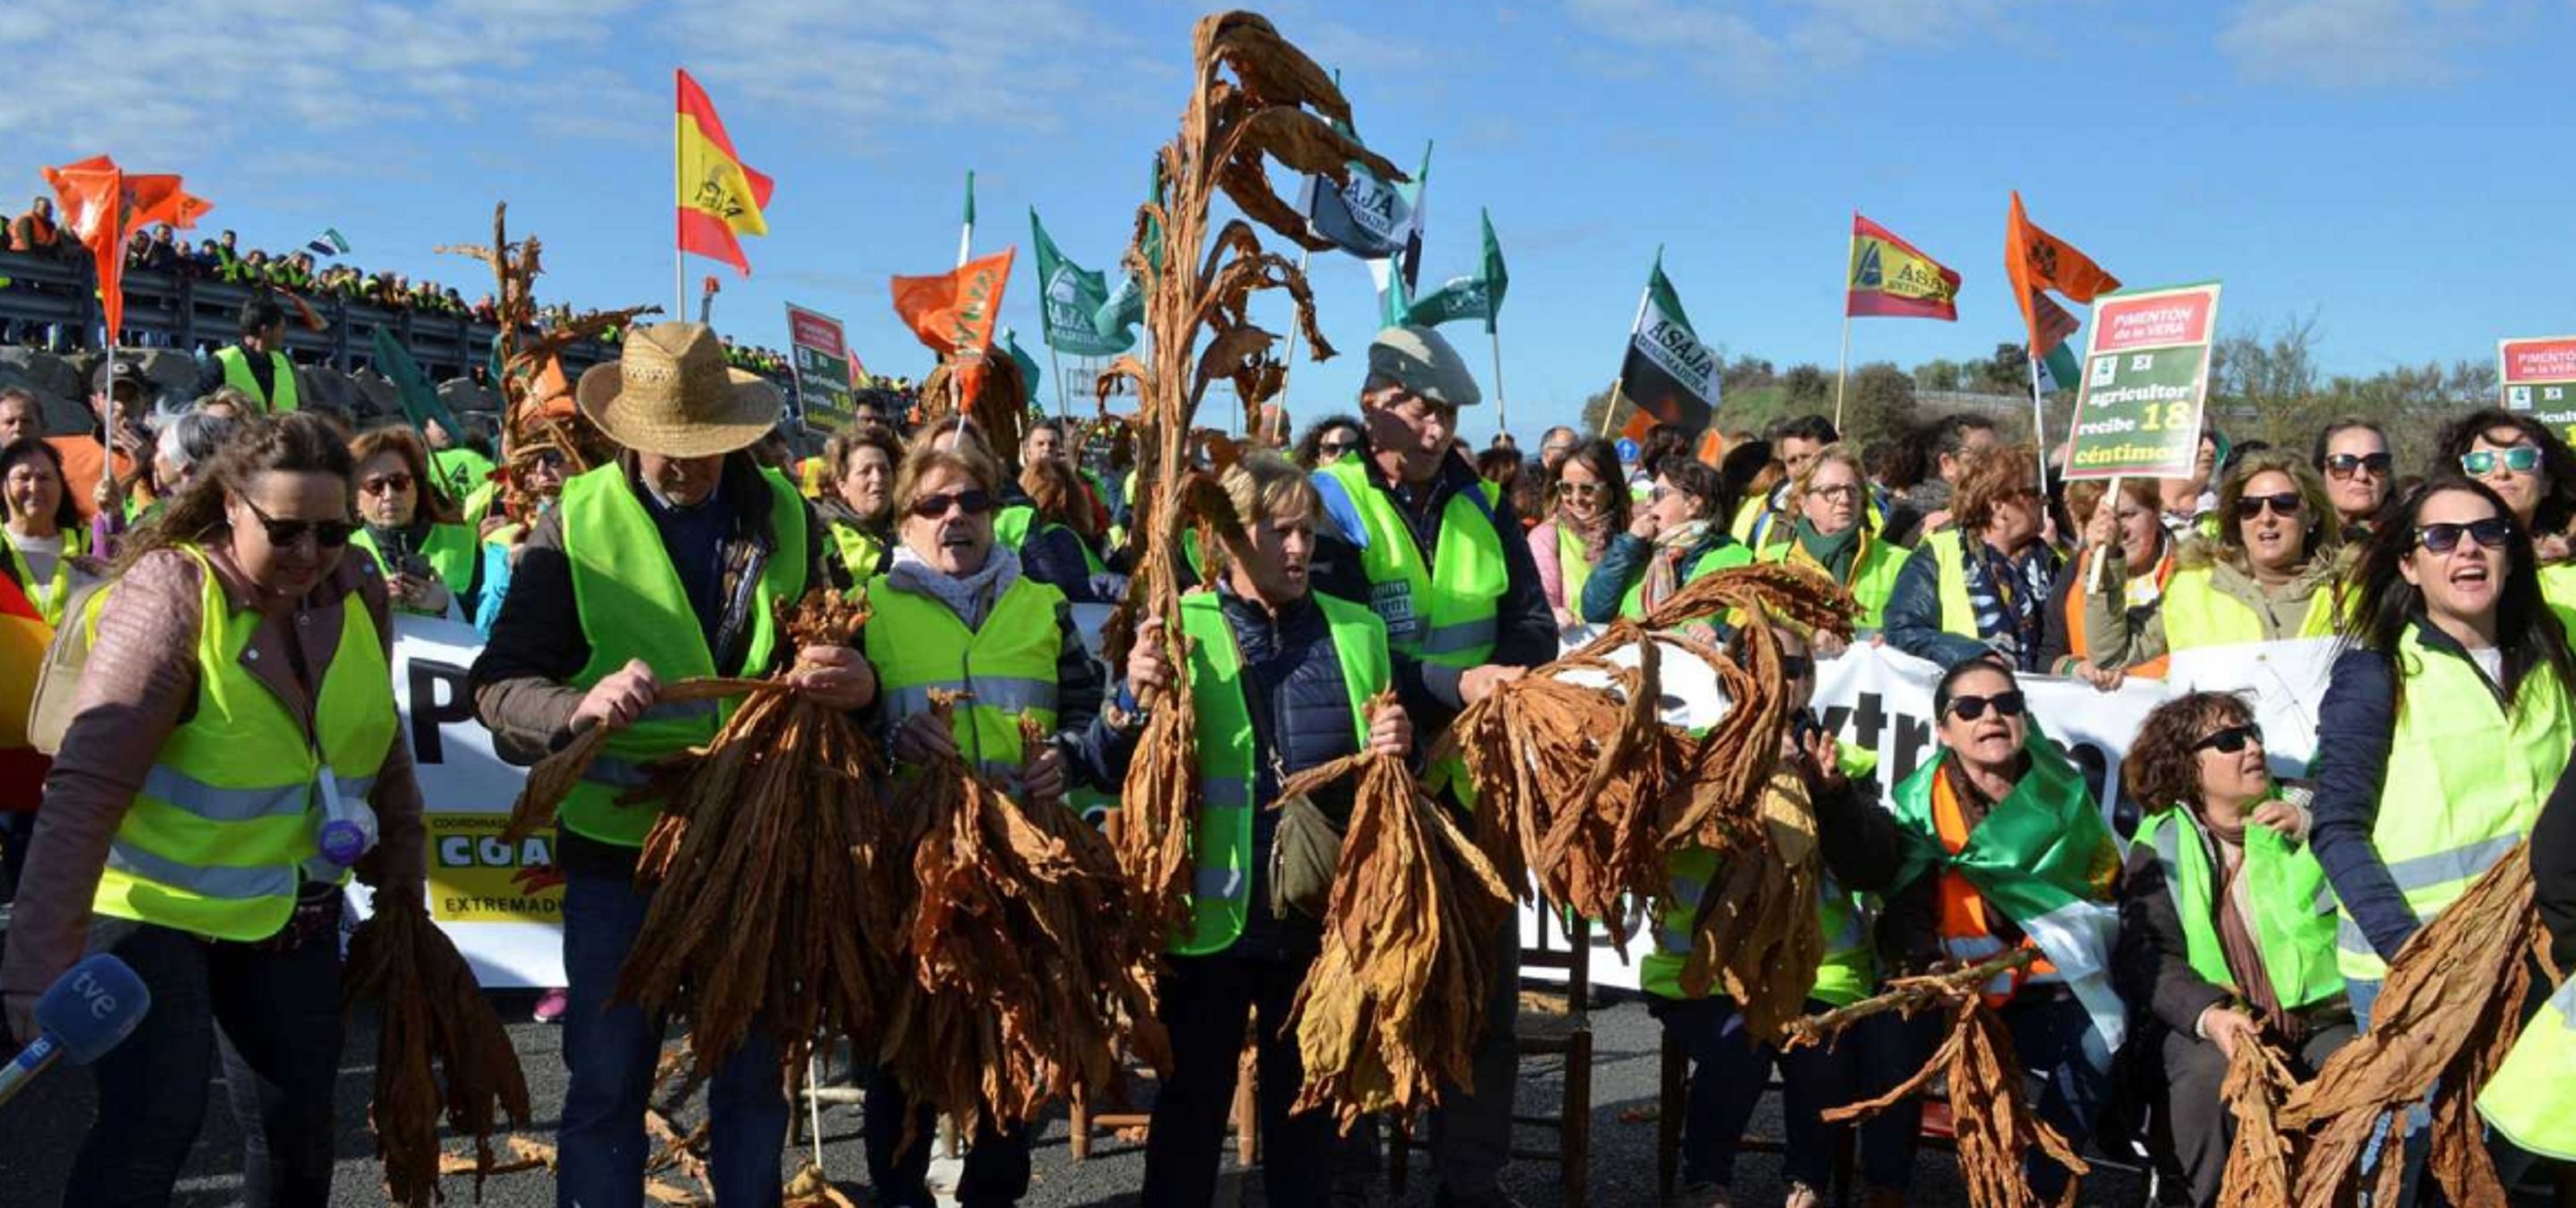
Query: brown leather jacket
point(140, 685)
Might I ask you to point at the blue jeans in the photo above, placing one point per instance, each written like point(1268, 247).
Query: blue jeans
point(2056, 1042)
point(280, 1009)
point(1729, 1071)
point(610, 1048)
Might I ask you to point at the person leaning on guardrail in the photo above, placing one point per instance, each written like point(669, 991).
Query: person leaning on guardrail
point(2443, 727)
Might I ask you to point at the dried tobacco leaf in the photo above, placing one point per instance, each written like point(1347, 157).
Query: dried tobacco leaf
point(439, 1048)
point(2449, 1011)
point(1757, 917)
point(2260, 1159)
point(542, 794)
point(1392, 1006)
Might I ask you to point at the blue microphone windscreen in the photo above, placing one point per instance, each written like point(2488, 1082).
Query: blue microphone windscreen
point(94, 1007)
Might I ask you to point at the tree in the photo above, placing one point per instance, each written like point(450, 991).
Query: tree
point(1809, 388)
point(2006, 372)
point(1878, 404)
point(1941, 374)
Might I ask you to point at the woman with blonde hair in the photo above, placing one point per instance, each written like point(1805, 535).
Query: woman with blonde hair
point(2271, 574)
point(1832, 533)
point(1983, 585)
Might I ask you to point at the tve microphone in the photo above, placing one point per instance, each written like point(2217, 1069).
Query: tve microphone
point(90, 1010)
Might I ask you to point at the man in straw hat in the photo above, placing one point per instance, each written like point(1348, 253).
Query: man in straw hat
point(664, 565)
point(1437, 553)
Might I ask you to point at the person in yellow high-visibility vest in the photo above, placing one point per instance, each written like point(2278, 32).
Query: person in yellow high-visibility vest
point(1676, 536)
point(2442, 728)
point(411, 527)
point(2221, 943)
point(674, 561)
point(234, 757)
point(1281, 679)
point(857, 506)
point(256, 364)
point(2528, 464)
point(1587, 509)
point(2272, 573)
point(2531, 1099)
point(1826, 526)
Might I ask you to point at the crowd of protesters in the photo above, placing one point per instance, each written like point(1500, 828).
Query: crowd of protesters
point(1379, 556)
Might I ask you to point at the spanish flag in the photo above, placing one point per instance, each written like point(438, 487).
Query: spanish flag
point(719, 196)
point(1891, 279)
point(23, 637)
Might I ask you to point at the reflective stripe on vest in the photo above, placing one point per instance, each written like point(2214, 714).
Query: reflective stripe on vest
point(2197, 614)
point(632, 606)
point(917, 644)
point(2464, 783)
point(2531, 1098)
point(1442, 613)
point(2283, 882)
point(1221, 841)
point(227, 814)
point(237, 375)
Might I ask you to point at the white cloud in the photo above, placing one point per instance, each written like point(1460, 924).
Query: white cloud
point(2349, 43)
point(1788, 37)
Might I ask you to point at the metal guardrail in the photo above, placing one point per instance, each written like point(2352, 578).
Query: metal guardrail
point(188, 311)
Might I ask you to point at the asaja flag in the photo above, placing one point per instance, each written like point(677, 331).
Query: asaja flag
point(953, 313)
point(1070, 299)
point(1668, 373)
point(1476, 297)
point(1891, 278)
point(2038, 261)
point(719, 196)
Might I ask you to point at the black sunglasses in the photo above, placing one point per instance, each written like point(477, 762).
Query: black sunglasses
point(2231, 740)
point(2344, 465)
point(1970, 708)
point(2443, 538)
point(2250, 506)
point(327, 534)
point(1337, 446)
point(973, 503)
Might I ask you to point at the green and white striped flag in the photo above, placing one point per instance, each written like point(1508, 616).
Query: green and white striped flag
point(1476, 297)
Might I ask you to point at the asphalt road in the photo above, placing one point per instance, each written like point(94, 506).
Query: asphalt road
point(40, 1130)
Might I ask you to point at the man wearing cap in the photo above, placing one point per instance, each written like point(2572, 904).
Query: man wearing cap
point(667, 564)
point(1436, 552)
point(256, 365)
point(119, 386)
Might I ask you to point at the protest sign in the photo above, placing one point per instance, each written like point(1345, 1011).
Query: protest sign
point(2539, 379)
point(822, 364)
point(2138, 411)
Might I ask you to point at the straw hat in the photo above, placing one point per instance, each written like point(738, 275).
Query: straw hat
point(671, 393)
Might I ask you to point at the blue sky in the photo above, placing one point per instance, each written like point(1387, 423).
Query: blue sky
point(2396, 167)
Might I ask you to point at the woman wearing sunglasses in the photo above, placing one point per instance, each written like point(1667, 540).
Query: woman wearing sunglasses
point(1833, 534)
point(957, 612)
point(2010, 850)
point(234, 752)
point(2444, 726)
point(1676, 537)
point(427, 553)
point(1823, 789)
point(1586, 506)
point(2270, 575)
point(1333, 438)
point(2221, 943)
point(2525, 463)
point(2352, 453)
point(1983, 586)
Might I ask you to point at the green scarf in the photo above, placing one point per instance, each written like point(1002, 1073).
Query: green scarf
point(1835, 553)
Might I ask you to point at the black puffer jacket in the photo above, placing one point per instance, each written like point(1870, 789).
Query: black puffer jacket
point(1302, 716)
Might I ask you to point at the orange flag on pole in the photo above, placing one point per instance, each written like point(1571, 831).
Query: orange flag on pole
point(2036, 261)
point(719, 196)
point(103, 207)
point(953, 312)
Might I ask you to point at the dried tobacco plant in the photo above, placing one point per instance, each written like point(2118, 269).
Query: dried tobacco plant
point(439, 1049)
point(542, 794)
point(1393, 1005)
point(1023, 968)
point(998, 406)
point(2259, 1161)
point(769, 910)
point(1253, 98)
point(1756, 922)
point(2447, 1015)
point(1989, 1093)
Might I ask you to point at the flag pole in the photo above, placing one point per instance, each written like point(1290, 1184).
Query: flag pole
point(965, 249)
point(966, 235)
point(1502, 406)
point(1057, 362)
point(2111, 500)
point(2039, 428)
point(1620, 379)
point(679, 224)
point(1288, 362)
point(1842, 366)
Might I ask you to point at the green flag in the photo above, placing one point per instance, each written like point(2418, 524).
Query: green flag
point(1069, 299)
point(970, 196)
point(1476, 297)
point(1126, 307)
point(420, 401)
point(1029, 375)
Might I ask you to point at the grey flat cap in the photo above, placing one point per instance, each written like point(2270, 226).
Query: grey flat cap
point(1418, 359)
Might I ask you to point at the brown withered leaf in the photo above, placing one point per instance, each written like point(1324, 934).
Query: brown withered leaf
point(1756, 920)
point(440, 1049)
point(2260, 1159)
point(1271, 69)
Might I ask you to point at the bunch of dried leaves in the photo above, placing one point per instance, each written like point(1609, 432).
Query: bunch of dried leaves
point(439, 1048)
point(542, 794)
point(769, 910)
point(1253, 98)
point(1023, 966)
point(2451, 1009)
point(1393, 1004)
point(999, 407)
point(2260, 1160)
point(1989, 1094)
point(1756, 925)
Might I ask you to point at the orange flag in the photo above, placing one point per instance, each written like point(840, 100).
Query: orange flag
point(2036, 261)
point(103, 207)
point(719, 196)
point(953, 312)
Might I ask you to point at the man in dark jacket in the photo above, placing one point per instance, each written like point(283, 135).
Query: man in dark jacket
point(1299, 664)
